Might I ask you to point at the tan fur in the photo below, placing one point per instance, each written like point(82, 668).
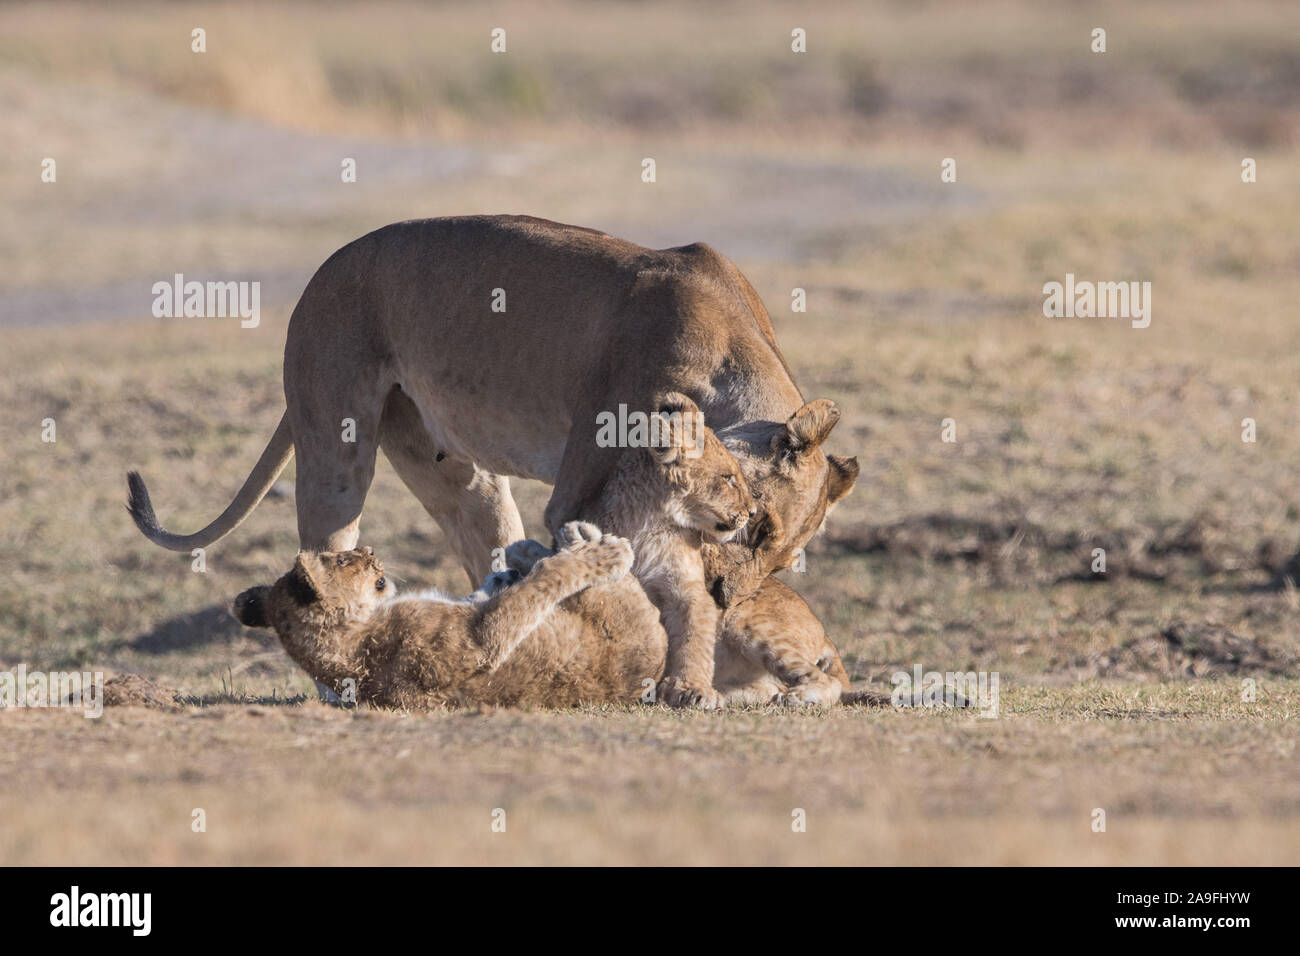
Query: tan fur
point(773, 649)
point(396, 332)
point(669, 502)
point(577, 629)
point(773, 539)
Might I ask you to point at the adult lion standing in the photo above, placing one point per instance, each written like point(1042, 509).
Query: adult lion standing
point(397, 332)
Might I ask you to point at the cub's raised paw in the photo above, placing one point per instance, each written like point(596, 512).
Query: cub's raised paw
point(676, 692)
point(575, 533)
point(610, 559)
point(522, 555)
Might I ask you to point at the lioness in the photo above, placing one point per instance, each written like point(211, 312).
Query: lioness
point(429, 338)
point(577, 629)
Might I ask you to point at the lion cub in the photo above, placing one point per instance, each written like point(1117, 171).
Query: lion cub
point(577, 629)
point(670, 499)
point(773, 649)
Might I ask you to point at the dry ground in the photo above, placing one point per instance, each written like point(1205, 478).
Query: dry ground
point(1121, 692)
point(1185, 775)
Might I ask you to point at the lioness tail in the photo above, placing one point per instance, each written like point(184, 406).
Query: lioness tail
point(274, 457)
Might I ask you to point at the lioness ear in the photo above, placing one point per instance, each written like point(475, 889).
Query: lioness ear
point(301, 582)
point(844, 472)
point(807, 428)
point(250, 607)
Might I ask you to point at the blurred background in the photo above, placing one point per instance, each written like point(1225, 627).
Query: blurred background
point(818, 170)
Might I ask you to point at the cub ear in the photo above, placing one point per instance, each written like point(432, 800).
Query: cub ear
point(250, 607)
point(844, 472)
point(677, 427)
point(807, 428)
point(301, 581)
point(668, 403)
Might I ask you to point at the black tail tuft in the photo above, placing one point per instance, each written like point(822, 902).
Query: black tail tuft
point(865, 698)
point(139, 505)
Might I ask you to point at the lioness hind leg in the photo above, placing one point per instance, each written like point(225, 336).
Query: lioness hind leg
point(334, 471)
point(473, 507)
point(334, 389)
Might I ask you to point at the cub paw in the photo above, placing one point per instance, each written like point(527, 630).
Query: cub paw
point(676, 692)
point(610, 559)
point(497, 582)
point(522, 555)
point(576, 533)
point(810, 695)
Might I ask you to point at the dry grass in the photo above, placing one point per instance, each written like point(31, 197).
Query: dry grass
point(1185, 775)
point(1174, 73)
point(1120, 691)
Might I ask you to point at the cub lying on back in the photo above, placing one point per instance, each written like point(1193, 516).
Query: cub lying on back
point(577, 629)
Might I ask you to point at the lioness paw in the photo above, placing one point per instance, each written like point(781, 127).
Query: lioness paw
point(676, 692)
point(577, 533)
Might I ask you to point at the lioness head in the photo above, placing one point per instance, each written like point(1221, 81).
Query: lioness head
point(322, 585)
point(794, 483)
point(710, 494)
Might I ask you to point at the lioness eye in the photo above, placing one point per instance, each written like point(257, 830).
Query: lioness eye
point(380, 584)
point(342, 561)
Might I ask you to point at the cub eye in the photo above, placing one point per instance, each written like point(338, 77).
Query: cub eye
point(380, 584)
point(731, 480)
point(342, 561)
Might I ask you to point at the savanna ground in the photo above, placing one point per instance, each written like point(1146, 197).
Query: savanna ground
point(1121, 691)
